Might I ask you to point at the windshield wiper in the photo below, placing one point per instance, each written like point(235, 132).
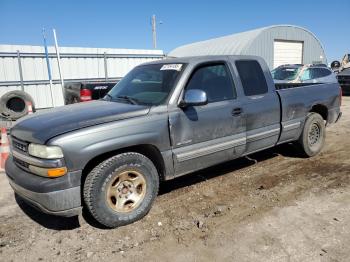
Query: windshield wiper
point(129, 99)
point(109, 96)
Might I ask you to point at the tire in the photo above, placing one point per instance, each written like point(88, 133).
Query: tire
point(73, 100)
point(13, 105)
point(110, 192)
point(313, 136)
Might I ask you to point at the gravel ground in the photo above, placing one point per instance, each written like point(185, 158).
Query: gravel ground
point(272, 206)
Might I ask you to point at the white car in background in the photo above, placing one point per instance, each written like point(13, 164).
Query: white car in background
point(298, 73)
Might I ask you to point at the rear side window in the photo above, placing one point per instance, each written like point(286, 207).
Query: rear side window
point(252, 77)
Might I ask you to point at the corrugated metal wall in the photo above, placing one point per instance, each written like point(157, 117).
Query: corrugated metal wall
point(76, 64)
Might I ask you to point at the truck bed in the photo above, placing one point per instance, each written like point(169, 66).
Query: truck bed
point(296, 102)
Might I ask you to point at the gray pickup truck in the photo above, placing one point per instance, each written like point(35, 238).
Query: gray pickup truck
point(162, 120)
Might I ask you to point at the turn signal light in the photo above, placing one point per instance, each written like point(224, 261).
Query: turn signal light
point(48, 172)
point(56, 172)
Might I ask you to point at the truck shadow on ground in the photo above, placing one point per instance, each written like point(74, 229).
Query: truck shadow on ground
point(47, 221)
point(70, 223)
point(287, 150)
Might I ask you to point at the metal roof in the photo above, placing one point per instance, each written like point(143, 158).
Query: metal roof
point(199, 59)
point(236, 44)
point(231, 44)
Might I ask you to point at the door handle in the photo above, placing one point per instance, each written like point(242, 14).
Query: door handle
point(237, 111)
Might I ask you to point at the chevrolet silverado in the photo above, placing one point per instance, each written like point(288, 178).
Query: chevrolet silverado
point(164, 119)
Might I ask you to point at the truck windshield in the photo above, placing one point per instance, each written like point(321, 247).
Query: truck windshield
point(285, 73)
point(147, 85)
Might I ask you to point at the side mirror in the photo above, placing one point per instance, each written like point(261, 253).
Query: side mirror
point(194, 97)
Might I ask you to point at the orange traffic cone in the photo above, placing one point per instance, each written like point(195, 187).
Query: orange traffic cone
point(4, 148)
point(30, 107)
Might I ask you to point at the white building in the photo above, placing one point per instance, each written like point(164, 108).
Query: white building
point(24, 67)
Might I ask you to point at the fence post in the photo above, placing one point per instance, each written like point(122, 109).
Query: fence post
point(58, 61)
point(20, 69)
point(106, 67)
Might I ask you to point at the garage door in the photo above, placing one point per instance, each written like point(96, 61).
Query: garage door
point(287, 52)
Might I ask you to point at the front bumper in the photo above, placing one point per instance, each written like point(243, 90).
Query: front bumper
point(57, 196)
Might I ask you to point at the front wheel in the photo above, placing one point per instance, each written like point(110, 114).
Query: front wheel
point(313, 136)
point(121, 189)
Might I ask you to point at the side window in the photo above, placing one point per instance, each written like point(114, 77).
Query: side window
point(314, 73)
point(252, 77)
point(306, 75)
point(319, 72)
point(324, 72)
point(214, 80)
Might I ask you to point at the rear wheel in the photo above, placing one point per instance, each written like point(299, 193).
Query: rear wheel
point(313, 135)
point(121, 189)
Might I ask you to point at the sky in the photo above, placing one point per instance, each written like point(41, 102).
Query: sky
point(126, 24)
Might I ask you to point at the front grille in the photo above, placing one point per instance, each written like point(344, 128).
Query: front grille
point(20, 162)
point(20, 145)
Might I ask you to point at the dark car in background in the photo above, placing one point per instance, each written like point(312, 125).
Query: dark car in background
point(344, 74)
point(344, 81)
point(75, 92)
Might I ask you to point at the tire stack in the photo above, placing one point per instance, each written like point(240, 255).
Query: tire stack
point(14, 105)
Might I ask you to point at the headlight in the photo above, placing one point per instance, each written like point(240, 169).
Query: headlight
point(47, 152)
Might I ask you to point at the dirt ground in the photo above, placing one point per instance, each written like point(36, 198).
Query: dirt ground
point(272, 206)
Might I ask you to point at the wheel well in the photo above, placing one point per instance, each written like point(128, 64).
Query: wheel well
point(149, 151)
point(320, 109)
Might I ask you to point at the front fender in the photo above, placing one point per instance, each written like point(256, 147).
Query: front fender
point(80, 146)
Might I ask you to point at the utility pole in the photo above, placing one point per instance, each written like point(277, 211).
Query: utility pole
point(154, 31)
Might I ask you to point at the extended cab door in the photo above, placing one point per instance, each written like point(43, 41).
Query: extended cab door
point(202, 136)
point(261, 105)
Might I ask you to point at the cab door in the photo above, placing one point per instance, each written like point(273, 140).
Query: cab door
point(206, 135)
point(262, 107)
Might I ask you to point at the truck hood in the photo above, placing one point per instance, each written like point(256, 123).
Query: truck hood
point(41, 126)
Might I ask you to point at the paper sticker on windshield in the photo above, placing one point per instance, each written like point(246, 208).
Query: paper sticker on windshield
point(176, 67)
